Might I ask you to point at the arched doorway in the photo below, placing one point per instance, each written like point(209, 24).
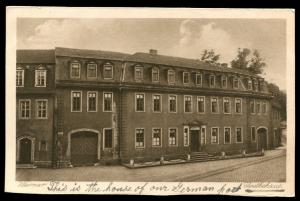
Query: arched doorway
point(262, 138)
point(25, 146)
point(84, 148)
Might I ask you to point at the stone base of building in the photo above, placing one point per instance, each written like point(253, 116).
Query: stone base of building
point(43, 164)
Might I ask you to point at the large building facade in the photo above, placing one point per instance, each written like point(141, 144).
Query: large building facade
point(108, 107)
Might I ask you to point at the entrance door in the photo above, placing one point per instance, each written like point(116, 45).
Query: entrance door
point(262, 138)
point(195, 143)
point(84, 148)
point(25, 151)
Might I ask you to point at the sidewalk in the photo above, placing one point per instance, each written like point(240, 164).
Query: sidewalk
point(179, 172)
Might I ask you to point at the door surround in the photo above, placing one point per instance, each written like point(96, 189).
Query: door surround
point(32, 139)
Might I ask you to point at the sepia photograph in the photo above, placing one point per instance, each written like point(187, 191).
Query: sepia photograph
point(147, 101)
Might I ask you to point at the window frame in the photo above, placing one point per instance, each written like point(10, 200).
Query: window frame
point(152, 70)
point(235, 102)
point(103, 101)
point(160, 103)
point(210, 85)
point(169, 72)
point(198, 97)
point(88, 103)
point(173, 145)
point(184, 109)
point(258, 103)
point(188, 136)
point(75, 91)
point(225, 127)
point(106, 64)
point(229, 102)
point(251, 133)
point(22, 73)
point(160, 137)
point(79, 70)
point(249, 83)
point(218, 107)
point(44, 71)
point(112, 139)
point(20, 109)
point(188, 78)
point(169, 95)
point(144, 141)
point(218, 137)
point(238, 83)
point(266, 107)
point(135, 74)
point(198, 74)
point(135, 97)
point(242, 135)
point(87, 70)
point(254, 108)
point(36, 108)
point(222, 79)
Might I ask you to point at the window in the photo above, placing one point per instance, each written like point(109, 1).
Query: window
point(25, 109)
point(249, 84)
point(227, 135)
point(172, 103)
point(140, 102)
point(235, 83)
point(40, 78)
point(156, 103)
point(186, 77)
point(108, 138)
point(239, 135)
point(75, 70)
point(224, 81)
point(20, 78)
point(255, 85)
point(156, 137)
point(253, 134)
point(238, 105)
point(171, 76)
point(212, 81)
point(185, 136)
point(203, 135)
point(107, 71)
point(139, 138)
point(43, 145)
point(138, 73)
point(92, 99)
point(252, 107)
point(172, 136)
point(214, 105)
point(201, 104)
point(257, 107)
point(155, 74)
point(41, 109)
point(214, 135)
point(264, 108)
point(199, 79)
point(108, 101)
point(226, 106)
point(91, 71)
point(76, 101)
point(187, 103)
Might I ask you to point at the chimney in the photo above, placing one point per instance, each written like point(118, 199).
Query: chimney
point(224, 65)
point(153, 52)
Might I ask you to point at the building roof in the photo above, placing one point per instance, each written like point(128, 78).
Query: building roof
point(182, 62)
point(35, 56)
point(96, 54)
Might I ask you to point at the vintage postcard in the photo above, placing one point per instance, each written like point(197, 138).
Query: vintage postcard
point(150, 101)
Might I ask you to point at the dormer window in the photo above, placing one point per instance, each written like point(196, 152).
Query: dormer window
point(212, 80)
point(255, 85)
point(40, 77)
point(75, 70)
point(224, 81)
point(92, 70)
point(138, 73)
point(235, 83)
point(249, 84)
point(186, 77)
point(155, 74)
point(198, 79)
point(261, 85)
point(107, 71)
point(20, 77)
point(171, 76)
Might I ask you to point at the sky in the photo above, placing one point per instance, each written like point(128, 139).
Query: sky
point(174, 37)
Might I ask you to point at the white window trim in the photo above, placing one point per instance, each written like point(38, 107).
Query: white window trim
point(169, 103)
point(112, 101)
point(23, 72)
point(185, 83)
point(211, 131)
point(229, 105)
point(218, 107)
point(20, 111)
point(160, 102)
point(248, 84)
point(72, 101)
point(36, 78)
point(142, 73)
point(112, 71)
point(235, 101)
point(254, 133)
point(36, 108)
point(259, 113)
point(87, 100)
point(155, 68)
point(135, 105)
point(222, 78)
point(160, 137)
point(79, 66)
point(241, 134)
point(198, 104)
point(87, 69)
point(204, 133)
point(214, 85)
point(143, 147)
point(254, 107)
point(188, 136)
point(229, 135)
point(191, 103)
point(197, 79)
point(175, 145)
point(112, 138)
point(171, 83)
point(237, 79)
point(264, 102)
